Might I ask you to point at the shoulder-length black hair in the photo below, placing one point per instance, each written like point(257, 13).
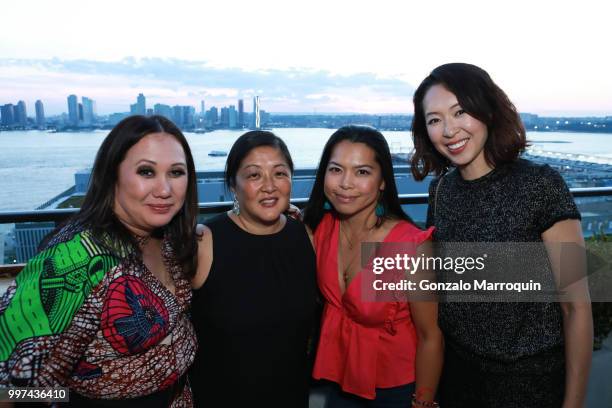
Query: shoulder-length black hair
point(374, 140)
point(243, 146)
point(481, 98)
point(96, 213)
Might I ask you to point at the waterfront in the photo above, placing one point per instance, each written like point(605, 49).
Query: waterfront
point(36, 166)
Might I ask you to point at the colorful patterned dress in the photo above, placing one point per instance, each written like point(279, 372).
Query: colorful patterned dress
point(92, 317)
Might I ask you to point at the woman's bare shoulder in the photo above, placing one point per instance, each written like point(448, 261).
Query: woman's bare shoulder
point(205, 255)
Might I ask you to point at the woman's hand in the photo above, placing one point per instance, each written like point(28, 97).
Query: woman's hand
point(199, 231)
point(294, 212)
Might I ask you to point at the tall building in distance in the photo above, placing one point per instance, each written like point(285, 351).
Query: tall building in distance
point(224, 117)
point(232, 117)
point(240, 113)
point(183, 116)
point(163, 110)
point(140, 107)
point(89, 112)
point(202, 109)
point(188, 116)
point(40, 114)
point(213, 116)
point(73, 110)
point(256, 119)
point(8, 114)
point(21, 115)
point(177, 115)
point(142, 104)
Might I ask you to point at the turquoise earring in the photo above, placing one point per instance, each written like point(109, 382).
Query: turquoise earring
point(327, 206)
point(380, 210)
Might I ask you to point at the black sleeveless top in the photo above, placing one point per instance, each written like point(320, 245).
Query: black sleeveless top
point(253, 317)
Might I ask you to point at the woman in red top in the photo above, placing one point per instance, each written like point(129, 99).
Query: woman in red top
point(377, 353)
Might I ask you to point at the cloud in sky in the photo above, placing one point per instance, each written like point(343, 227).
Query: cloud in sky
point(362, 56)
point(114, 85)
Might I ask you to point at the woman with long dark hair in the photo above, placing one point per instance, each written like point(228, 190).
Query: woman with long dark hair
point(102, 308)
point(371, 353)
point(468, 133)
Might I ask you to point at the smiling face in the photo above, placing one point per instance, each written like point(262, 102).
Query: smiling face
point(151, 184)
point(454, 133)
point(263, 185)
point(353, 178)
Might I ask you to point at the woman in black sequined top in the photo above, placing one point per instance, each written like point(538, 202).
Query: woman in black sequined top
point(468, 133)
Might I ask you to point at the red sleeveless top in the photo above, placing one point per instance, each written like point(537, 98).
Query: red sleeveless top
point(363, 345)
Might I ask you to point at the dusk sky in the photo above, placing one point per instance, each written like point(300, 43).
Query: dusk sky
point(551, 57)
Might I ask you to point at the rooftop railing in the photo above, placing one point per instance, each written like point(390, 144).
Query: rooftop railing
point(208, 208)
point(602, 220)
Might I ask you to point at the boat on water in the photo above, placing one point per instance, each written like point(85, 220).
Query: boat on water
point(217, 153)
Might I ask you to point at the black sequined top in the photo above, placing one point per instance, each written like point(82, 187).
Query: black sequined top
point(515, 202)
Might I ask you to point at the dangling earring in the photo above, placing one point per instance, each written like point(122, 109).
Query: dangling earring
point(380, 210)
point(326, 205)
point(236, 208)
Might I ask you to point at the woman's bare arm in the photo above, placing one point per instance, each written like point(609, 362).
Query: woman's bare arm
point(576, 307)
point(430, 343)
point(205, 256)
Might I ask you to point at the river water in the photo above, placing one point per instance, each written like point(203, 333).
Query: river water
point(36, 166)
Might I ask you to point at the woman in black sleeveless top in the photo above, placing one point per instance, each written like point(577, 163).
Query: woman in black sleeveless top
point(255, 291)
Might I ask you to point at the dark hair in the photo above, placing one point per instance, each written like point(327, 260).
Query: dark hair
point(481, 98)
point(97, 213)
point(243, 146)
point(372, 138)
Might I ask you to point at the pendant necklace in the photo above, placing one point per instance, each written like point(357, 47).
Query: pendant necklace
point(345, 271)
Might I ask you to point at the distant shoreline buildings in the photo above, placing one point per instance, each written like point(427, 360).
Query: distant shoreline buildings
point(83, 115)
point(185, 116)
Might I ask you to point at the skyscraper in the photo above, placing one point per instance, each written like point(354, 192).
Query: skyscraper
point(177, 115)
point(140, 107)
point(240, 113)
point(188, 116)
point(232, 117)
point(202, 109)
point(88, 111)
point(8, 114)
point(142, 104)
point(21, 115)
point(163, 110)
point(40, 113)
point(256, 120)
point(73, 110)
point(213, 116)
point(224, 117)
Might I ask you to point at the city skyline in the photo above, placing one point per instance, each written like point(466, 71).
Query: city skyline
point(359, 93)
point(85, 112)
point(337, 57)
point(82, 116)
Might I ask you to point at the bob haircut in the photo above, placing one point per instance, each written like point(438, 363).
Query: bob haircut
point(97, 213)
point(243, 146)
point(372, 138)
point(482, 99)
